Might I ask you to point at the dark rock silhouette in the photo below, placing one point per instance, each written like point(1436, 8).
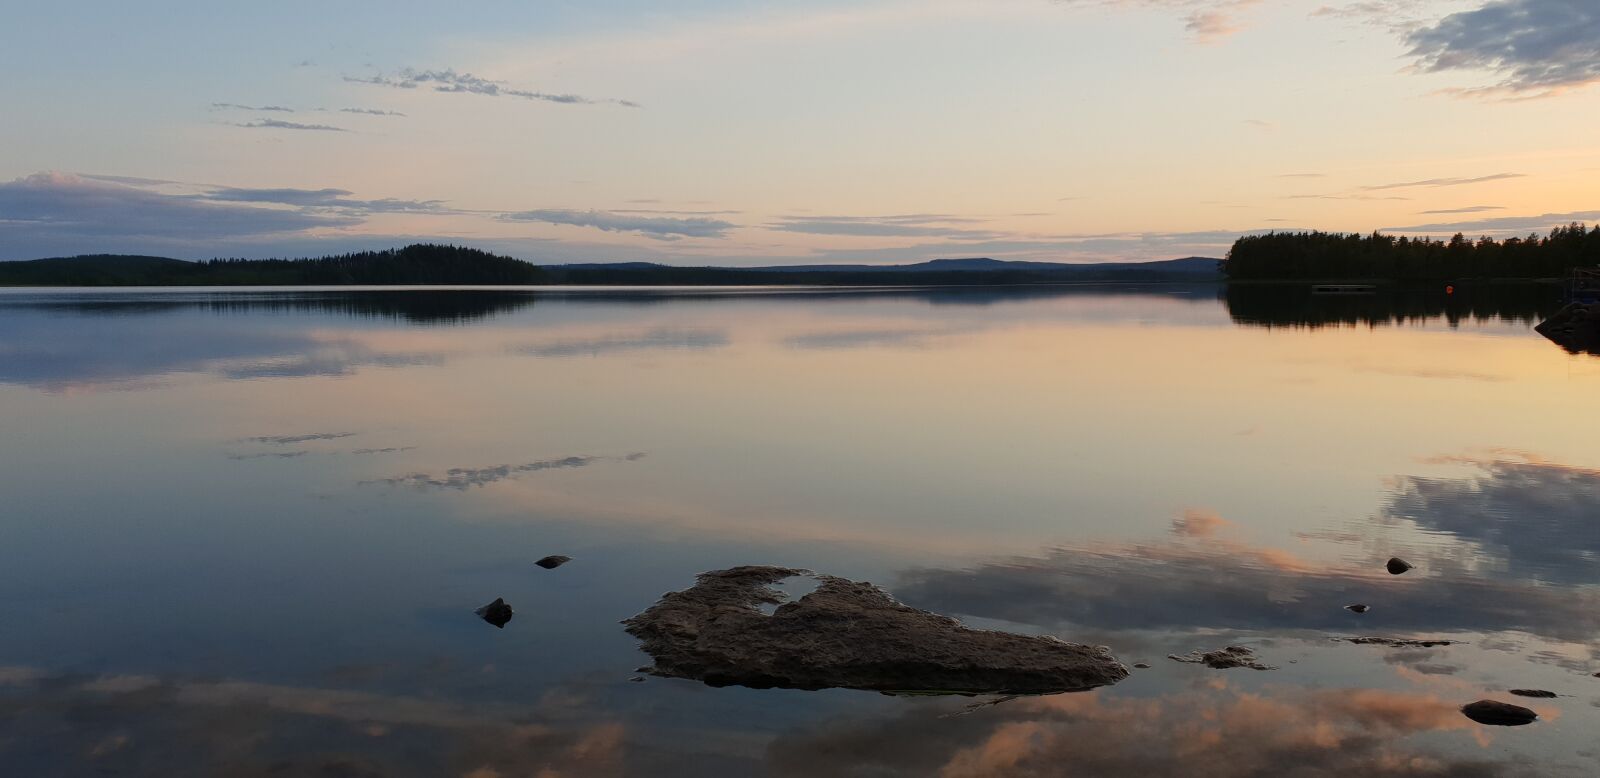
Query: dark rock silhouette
point(1498, 714)
point(553, 561)
point(1533, 693)
point(1396, 566)
point(1223, 658)
point(848, 634)
point(1575, 328)
point(496, 613)
point(1357, 608)
point(1141, 666)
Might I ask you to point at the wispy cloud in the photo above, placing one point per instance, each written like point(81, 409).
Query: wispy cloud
point(58, 208)
point(1209, 21)
point(284, 440)
point(276, 124)
point(371, 111)
point(1534, 48)
point(1343, 197)
point(1467, 209)
point(1302, 175)
point(658, 227)
point(921, 225)
point(236, 106)
point(1399, 16)
point(448, 80)
point(1438, 182)
point(322, 198)
point(1504, 224)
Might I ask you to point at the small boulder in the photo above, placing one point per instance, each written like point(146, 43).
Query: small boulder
point(496, 613)
point(553, 561)
point(1533, 693)
point(848, 634)
point(1141, 666)
point(1397, 565)
point(1357, 608)
point(1498, 714)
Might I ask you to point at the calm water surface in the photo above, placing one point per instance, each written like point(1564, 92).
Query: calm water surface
point(244, 533)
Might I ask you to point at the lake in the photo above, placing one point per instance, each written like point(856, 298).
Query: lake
point(245, 531)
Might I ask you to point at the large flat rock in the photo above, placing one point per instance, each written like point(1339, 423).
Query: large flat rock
point(848, 634)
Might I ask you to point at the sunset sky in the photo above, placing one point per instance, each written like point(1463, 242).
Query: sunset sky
point(765, 132)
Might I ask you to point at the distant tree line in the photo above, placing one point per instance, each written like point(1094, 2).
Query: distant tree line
point(1333, 256)
point(422, 263)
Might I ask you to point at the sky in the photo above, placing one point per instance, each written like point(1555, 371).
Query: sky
point(719, 132)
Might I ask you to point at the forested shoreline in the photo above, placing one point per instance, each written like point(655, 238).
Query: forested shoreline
point(422, 263)
point(1333, 256)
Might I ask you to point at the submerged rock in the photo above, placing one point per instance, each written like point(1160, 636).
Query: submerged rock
point(1533, 693)
point(1223, 658)
point(496, 613)
point(848, 634)
point(1141, 666)
point(1498, 714)
point(553, 561)
point(1398, 642)
point(1357, 608)
point(1397, 565)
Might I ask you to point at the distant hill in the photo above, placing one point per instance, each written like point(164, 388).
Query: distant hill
point(981, 270)
point(1200, 265)
point(94, 270)
point(442, 265)
point(415, 264)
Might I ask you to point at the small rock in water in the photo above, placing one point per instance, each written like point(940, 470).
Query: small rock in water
point(1357, 608)
point(1223, 658)
point(1141, 666)
point(496, 613)
point(636, 679)
point(1397, 565)
point(1533, 693)
point(553, 561)
point(1498, 714)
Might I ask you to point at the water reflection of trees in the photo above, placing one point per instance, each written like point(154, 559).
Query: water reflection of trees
point(421, 306)
point(1276, 305)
